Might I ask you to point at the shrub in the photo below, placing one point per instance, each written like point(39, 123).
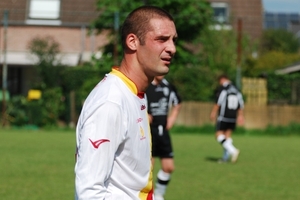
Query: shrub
point(42, 112)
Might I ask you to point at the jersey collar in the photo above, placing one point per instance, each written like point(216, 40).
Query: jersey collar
point(131, 85)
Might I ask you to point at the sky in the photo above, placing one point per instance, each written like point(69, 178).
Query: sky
point(290, 6)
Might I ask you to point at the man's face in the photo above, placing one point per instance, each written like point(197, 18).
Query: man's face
point(159, 48)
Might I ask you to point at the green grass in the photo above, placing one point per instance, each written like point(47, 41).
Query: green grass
point(39, 165)
point(36, 165)
point(268, 168)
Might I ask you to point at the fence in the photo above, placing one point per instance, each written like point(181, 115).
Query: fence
point(255, 90)
point(256, 116)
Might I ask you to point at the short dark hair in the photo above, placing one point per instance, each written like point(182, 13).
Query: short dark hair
point(223, 76)
point(137, 22)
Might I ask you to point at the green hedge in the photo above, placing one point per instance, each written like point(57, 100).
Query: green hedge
point(193, 83)
point(280, 88)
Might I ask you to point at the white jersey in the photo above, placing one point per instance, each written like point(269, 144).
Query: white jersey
point(113, 158)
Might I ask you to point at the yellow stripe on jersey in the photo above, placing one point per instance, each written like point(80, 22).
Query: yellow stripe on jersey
point(125, 79)
point(147, 192)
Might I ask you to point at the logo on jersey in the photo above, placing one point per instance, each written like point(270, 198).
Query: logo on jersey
point(142, 133)
point(143, 107)
point(97, 143)
point(232, 102)
point(166, 91)
point(139, 120)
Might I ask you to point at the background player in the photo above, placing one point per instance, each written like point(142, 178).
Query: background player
point(229, 106)
point(162, 97)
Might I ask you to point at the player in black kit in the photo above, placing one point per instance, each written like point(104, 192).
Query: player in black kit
point(162, 97)
point(227, 110)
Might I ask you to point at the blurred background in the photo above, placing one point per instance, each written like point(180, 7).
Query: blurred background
point(53, 52)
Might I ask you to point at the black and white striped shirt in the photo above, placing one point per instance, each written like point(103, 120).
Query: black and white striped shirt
point(160, 98)
point(230, 101)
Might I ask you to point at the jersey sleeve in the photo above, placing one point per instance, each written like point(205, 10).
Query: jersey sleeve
point(217, 93)
point(99, 136)
point(222, 97)
point(241, 101)
point(147, 103)
point(174, 96)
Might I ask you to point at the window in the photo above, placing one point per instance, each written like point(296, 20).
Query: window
point(221, 12)
point(44, 9)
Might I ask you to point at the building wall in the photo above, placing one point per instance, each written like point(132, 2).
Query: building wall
point(73, 43)
point(70, 32)
point(251, 14)
point(78, 11)
point(71, 39)
point(17, 9)
point(75, 46)
point(74, 12)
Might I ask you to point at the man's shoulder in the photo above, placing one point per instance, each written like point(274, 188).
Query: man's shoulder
point(168, 84)
point(110, 87)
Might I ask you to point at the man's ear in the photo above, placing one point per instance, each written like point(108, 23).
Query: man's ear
point(132, 41)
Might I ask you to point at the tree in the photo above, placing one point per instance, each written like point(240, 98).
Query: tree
point(191, 18)
point(269, 62)
point(46, 50)
point(202, 53)
point(46, 110)
point(279, 40)
point(278, 48)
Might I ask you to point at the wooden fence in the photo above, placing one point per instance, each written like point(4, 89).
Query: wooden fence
point(256, 116)
point(255, 91)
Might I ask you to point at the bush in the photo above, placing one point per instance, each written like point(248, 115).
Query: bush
point(280, 88)
point(42, 112)
point(194, 83)
point(279, 40)
point(17, 111)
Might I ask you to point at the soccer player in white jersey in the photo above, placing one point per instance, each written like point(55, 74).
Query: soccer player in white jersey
point(229, 107)
point(113, 140)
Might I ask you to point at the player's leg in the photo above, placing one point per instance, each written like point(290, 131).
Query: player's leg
point(227, 144)
point(225, 156)
point(163, 177)
point(167, 166)
point(234, 155)
point(219, 137)
point(222, 131)
point(155, 144)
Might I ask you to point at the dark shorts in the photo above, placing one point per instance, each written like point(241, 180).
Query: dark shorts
point(223, 126)
point(161, 143)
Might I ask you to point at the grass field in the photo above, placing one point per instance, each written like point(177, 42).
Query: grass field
point(39, 165)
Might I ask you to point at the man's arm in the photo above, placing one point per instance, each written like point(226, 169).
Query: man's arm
point(99, 138)
point(214, 111)
point(173, 116)
point(240, 117)
point(240, 114)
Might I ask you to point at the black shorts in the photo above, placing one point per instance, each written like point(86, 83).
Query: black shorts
point(161, 143)
point(223, 126)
